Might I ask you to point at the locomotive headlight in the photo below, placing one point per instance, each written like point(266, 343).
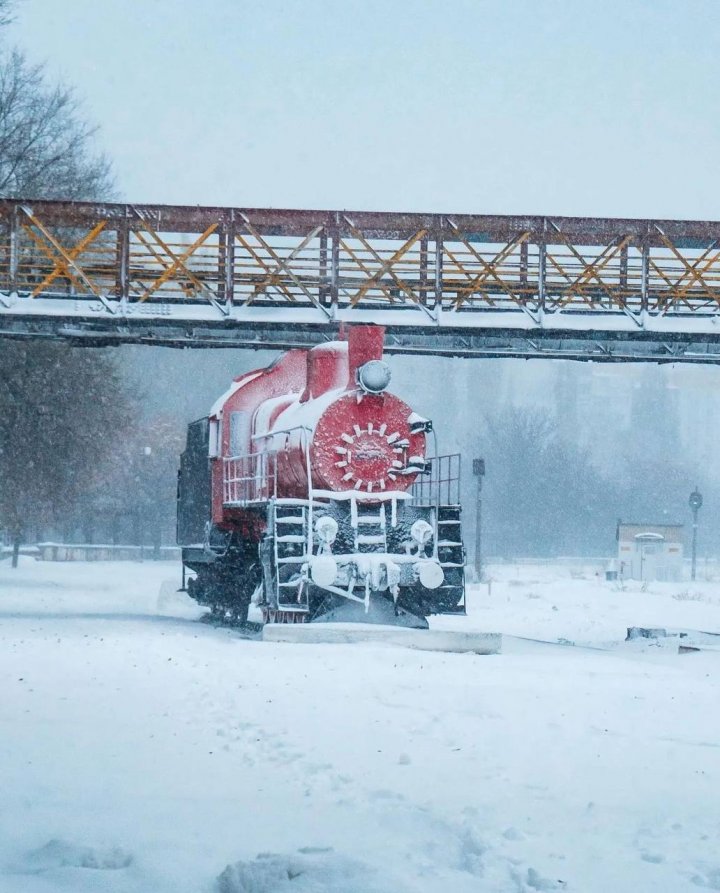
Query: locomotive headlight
point(323, 570)
point(326, 529)
point(421, 532)
point(374, 376)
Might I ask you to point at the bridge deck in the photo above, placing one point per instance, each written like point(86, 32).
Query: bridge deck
point(603, 289)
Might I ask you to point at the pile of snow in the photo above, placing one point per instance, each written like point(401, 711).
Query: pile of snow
point(559, 604)
point(304, 872)
point(62, 854)
point(141, 750)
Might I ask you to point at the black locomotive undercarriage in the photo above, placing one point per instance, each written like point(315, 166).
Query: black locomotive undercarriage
point(231, 572)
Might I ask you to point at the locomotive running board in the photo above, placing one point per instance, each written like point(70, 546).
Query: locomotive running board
point(421, 639)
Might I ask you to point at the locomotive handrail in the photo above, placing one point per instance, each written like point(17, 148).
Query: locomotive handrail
point(252, 484)
point(249, 478)
point(305, 429)
point(442, 486)
point(281, 431)
point(436, 532)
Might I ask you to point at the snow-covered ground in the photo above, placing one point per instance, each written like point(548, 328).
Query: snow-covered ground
point(143, 751)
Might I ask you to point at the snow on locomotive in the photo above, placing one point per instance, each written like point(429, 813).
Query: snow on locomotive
point(308, 491)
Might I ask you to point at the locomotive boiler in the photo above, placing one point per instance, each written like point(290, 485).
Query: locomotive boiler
point(314, 493)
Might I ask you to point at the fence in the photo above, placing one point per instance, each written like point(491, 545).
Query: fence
point(102, 552)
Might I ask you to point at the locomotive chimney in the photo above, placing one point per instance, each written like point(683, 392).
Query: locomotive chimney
point(365, 343)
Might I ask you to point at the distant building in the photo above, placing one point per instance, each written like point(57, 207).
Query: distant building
point(650, 551)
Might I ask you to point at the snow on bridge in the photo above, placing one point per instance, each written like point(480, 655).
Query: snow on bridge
point(467, 285)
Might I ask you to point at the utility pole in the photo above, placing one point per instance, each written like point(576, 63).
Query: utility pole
point(695, 501)
point(479, 472)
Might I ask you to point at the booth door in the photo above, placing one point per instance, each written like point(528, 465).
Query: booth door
point(650, 560)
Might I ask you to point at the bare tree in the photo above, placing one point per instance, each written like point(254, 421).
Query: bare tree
point(140, 477)
point(6, 11)
point(61, 409)
point(543, 495)
point(45, 144)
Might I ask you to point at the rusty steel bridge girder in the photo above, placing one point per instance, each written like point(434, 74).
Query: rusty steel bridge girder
point(469, 285)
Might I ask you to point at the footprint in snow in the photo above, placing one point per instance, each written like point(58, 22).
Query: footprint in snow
point(317, 768)
point(710, 879)
point(535, 881)
point(385, 794)
point(513, 834)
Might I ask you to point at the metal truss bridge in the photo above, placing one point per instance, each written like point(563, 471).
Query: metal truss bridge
point(442, 284)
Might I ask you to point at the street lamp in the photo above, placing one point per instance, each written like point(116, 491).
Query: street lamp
point(147, 458)
point(478, 468)
point(695, 501)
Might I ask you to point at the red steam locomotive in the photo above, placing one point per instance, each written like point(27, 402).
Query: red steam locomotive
point(308, 491)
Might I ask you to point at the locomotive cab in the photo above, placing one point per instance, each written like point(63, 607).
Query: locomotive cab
point(309, 491)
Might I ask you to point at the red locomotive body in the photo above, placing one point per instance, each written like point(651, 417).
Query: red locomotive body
point(321, 496)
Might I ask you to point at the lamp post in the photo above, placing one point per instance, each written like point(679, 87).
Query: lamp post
point(142, 516)
point(478, 467)
point(695, 501)
point(153, 491)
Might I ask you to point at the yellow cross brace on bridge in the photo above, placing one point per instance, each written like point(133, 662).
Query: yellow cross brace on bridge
point(62, 267)
point(67, 257)
point(178, 263)
point(591, 270)
point(489, 268)
point(386, 266)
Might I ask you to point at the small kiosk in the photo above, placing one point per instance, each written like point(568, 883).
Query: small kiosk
point(650, 551)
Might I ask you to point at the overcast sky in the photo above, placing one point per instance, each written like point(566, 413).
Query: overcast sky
point(512, 106)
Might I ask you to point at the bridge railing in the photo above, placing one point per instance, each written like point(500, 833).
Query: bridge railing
point(165, 260)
